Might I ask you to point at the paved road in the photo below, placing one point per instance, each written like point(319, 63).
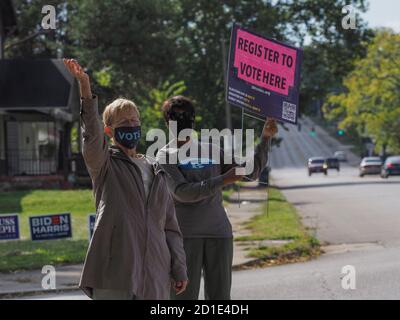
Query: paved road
point(377, 277)
point(343, 207)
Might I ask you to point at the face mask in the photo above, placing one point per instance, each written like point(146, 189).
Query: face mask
point(184, 120)
point(127, 136)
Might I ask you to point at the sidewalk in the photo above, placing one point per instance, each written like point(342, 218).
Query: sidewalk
point(67, 277)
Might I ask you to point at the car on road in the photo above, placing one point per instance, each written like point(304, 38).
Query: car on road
point(317, 164)
point(370, 165)
point(341, 155)
point(391, 167)
point(332, 163)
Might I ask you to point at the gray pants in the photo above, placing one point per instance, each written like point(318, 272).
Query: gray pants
point(111, 294)
point(214, 257)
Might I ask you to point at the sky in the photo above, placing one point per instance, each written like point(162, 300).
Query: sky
point(383, 13)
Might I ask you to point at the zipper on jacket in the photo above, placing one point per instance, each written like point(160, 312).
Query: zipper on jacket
point(147, 215)
point(146, 202)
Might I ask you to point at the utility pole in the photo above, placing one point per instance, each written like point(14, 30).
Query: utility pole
point(2, 36)
point(228, 116)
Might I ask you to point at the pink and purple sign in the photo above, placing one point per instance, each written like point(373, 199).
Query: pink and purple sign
point(263, 76)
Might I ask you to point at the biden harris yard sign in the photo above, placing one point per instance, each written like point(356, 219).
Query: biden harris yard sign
point(50, 227)
point(263, 76)
point(9, 227)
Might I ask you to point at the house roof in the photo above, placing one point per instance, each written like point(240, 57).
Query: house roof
point(37, 85)
point(8, 17)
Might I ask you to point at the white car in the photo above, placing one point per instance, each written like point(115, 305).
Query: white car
point(341, 155)
point(370, 165)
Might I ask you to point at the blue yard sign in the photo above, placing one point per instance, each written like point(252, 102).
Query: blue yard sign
point(9, 227)
point(51, 227)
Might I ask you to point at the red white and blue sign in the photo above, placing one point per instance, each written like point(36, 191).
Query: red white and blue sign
point(51, 227)
point(9, 227)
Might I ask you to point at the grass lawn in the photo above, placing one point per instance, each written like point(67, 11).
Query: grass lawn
point(281, 223)
point(25, 254)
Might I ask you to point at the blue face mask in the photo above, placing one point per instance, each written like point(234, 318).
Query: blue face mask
point(127, 136)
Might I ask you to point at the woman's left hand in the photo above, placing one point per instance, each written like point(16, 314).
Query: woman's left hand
point(180, 286)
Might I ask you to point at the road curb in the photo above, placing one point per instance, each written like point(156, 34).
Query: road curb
point(16, 294)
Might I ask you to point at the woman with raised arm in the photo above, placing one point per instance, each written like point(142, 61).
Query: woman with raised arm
point(136, 251)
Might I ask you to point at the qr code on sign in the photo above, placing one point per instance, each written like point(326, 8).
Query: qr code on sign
point(289, 111)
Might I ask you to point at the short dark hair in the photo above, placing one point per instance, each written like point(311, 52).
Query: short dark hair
point(177, 102)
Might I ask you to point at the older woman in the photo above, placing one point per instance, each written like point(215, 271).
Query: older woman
point(136, 251)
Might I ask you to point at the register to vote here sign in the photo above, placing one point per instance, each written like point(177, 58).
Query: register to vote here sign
point(263, 76)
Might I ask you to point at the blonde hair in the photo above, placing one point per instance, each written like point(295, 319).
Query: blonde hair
point(117, 107)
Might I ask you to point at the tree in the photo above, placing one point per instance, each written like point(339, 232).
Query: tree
point(132, 43)
point(203, 27)
point(331, 52)
point(150, 107)
point(30, 39)
point(371, 102)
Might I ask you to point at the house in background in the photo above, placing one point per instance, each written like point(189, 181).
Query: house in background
point(39, 102)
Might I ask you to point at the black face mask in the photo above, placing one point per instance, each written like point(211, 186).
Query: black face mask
point(184, 120)
point(128, 136)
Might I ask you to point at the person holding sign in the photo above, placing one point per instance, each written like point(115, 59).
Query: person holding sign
point(136, 249)
point(196, 186)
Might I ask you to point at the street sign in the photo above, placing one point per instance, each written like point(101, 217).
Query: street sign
point(9, 227)
point(263, 76)
point(50, 227)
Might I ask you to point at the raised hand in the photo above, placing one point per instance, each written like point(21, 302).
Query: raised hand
point(270, 128)
point(77, 71)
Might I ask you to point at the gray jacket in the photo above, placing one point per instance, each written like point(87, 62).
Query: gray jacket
point(197, 190)
point(137, 244)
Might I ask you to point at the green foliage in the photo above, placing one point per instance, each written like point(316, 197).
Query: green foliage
point(130, 47)
point(75, 138)
point(150, 107)
point(281, 223)
point(330, 55)
point(26, 255)
point(29, 40)
point(371, 102)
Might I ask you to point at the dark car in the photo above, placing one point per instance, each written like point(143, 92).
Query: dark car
point(332, 163)
point(391, 167)
point(370, 165)
point(317, 164)
point(341, 155)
